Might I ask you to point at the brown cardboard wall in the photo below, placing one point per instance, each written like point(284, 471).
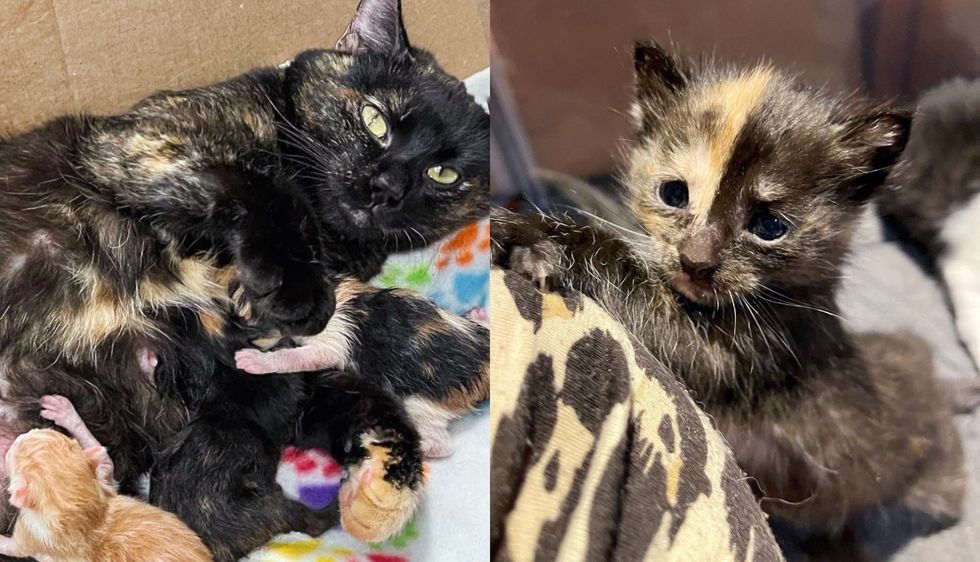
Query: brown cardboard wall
point(100, 56)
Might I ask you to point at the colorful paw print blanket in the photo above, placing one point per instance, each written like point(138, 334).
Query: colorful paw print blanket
point(453, 521)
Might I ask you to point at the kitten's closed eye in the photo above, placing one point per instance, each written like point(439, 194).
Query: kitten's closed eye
point(674, 193)
point(767, 226)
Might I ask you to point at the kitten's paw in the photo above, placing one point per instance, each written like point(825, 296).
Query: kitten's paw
point(376, 501)
point(540, 262)
point(520, 244)
point(254, 361)
point(60, 410)
point(437, 444)
point(147, 361)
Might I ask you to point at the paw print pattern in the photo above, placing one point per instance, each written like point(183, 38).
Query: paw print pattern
point(311, 477)
point(461, 250)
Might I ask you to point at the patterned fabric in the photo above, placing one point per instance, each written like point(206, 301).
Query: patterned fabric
point(598, 453)
point(455, 274)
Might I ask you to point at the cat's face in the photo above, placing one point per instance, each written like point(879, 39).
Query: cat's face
point(392, 146)
point(748, 183)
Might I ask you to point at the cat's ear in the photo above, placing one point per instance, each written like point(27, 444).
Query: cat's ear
point(659, 77)
point(873, 141)
point(377, 27)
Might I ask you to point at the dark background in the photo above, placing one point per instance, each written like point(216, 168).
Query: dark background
point(570, 69)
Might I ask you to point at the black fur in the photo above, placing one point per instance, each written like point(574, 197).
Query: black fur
point(128, 232)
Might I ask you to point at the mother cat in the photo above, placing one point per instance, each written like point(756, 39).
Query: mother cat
point(122, 240)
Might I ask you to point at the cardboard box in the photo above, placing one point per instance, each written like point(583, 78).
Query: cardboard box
point(101, 56)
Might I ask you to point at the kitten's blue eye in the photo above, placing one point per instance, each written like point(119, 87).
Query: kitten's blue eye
point(767, 226)
point(674, 193)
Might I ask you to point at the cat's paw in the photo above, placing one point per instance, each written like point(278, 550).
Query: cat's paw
point(254, 361)
point(289, 289)
point(377, 500)
point(520, 245)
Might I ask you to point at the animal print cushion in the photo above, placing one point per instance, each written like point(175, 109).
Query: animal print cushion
point(598, 453)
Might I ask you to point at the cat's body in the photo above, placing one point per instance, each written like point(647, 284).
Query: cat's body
point(70, 513)
point(391, 338)
point(748, 187)
point(145, 231)
point(935, 204)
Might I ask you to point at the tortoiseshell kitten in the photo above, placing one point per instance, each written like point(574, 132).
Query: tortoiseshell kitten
point(748, 186)
point(124, 235)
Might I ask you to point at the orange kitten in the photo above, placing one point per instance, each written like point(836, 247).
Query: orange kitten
point(69, 508)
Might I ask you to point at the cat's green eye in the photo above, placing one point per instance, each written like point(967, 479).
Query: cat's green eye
point(442, 174)
point(374, 122)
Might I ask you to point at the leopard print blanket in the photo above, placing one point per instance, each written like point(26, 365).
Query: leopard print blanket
point(598, 452)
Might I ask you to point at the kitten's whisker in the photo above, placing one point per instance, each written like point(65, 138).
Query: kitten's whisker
point(607, 222)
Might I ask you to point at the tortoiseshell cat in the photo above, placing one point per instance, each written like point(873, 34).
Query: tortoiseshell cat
point(125, 234)
point(748, 186)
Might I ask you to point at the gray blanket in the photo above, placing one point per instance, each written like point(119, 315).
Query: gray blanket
point(886, 290)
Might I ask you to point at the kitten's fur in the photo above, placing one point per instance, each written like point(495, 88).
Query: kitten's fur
point(828, 424)
point(125, 233)
point(934, 203)
point(69, 513)
point(392, 337)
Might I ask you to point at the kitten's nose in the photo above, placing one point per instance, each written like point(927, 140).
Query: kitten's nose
point(701, 271)
point(699, 253)
point(387, 188)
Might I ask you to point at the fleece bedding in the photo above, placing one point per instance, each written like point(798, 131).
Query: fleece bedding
point(453, 521)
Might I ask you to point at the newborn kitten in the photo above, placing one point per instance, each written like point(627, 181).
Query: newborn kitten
point(69, 509)
point(747, 186)
point(389, 336)
point(935, 205)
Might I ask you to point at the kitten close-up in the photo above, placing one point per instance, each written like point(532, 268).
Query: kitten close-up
point(733, 239)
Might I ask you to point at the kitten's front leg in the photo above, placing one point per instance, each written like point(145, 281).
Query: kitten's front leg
point(295, 360)
point(60, 410)
point(521, 243)
point(563, 254)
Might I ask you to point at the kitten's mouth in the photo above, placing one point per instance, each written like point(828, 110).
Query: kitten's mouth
point(693, 289)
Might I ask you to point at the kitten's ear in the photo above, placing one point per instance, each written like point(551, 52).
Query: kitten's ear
point(377, 27)
point(94, 456)
point(20, 495)
point(873, 142)
point(659, 77)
